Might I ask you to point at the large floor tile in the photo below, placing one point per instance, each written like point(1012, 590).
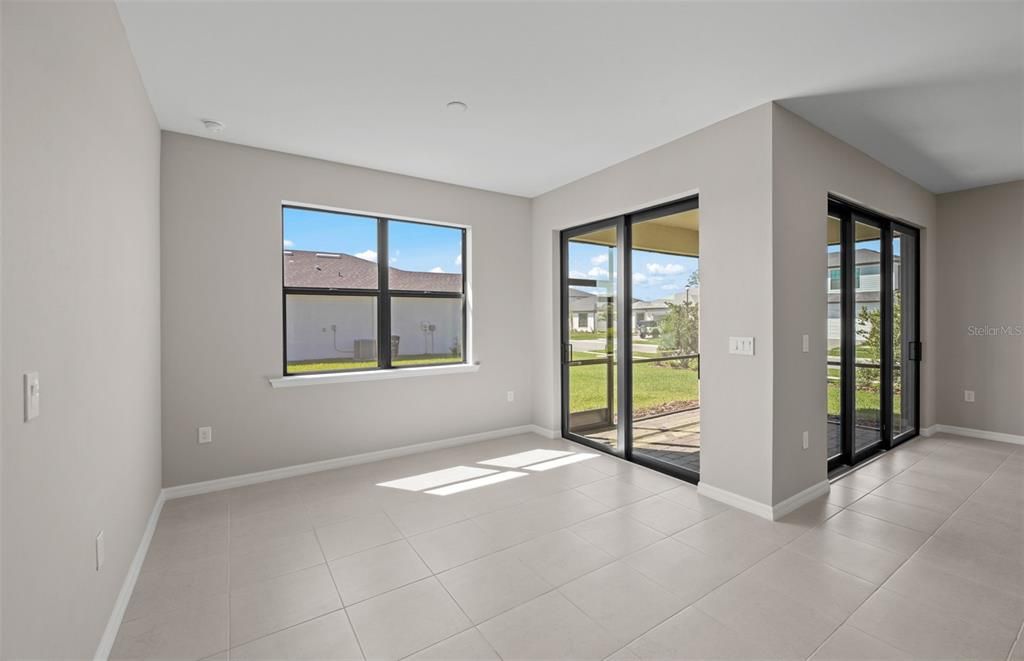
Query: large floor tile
point(193, 632)
point(469, 645)
point(377, 570)
point(909, 516)
point(849, 644)
point(911, 625)
point(956, 595)
point(407, 620)
point(843, 496)
point(826, 589)
point(254, 562)
point(665, 516)
point(735, 536)
point(683, 570)
point(263, 608)
point(454, 545)
point(326, 637)
point(973, 561)
point(781, 624)
point(944, 503)
point(560, 556)
point(875, 531)
point(616, 533)
point(178, 585)
point(548, 627)
point(622, 600)
point(415, 518)
point(871, 563)
point(693, 634)
point(492, 585)
point(356, 534)
point(614, 492)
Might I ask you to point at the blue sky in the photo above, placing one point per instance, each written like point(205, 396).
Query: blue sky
point(655, 275)
point(413, 246)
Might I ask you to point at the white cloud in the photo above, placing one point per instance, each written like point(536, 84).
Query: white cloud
point(437, 269)
point(672, 286)
point(639, 277)
point(288, 244)
point(600, 259)
point(369, 255)
point(598, 272)
point(458, 259)
point(577, 275)
point(666, 269)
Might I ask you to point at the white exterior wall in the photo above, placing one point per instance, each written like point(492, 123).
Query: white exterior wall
point(326, 327)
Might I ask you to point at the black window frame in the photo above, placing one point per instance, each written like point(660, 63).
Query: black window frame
point(383, 293)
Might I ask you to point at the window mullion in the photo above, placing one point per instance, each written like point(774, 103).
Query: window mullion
point(384, 300)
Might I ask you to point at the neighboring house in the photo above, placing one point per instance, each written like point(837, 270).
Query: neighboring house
point(868, 276)
point(331, 327)
point(586, 310)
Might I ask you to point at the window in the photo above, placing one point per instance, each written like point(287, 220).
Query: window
point(341, 304)
point(834, 281)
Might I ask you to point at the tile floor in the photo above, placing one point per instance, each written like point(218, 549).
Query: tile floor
point(916, 555)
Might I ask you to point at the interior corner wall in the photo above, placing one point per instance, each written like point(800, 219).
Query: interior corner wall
point(807, 165)
point(729, 165)
point(981, 334)
point(222, 325)
point(80, 277)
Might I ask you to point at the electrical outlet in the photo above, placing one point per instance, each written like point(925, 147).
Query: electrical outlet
point(807, 442)
point(101, 552)
point(806, 343)
point(31, 396)
point(205, 435)
point(968, 395)
point(511, 395)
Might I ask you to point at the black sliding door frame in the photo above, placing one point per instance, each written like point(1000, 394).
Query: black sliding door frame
point(623, 315)
point(849, 215)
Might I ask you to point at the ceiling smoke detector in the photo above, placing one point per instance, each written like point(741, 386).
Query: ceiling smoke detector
point(457, 106)
point(213, 126)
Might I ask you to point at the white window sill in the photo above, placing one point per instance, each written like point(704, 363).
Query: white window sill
point(372, 375)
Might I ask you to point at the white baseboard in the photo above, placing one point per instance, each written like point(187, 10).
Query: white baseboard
point(769, 512)
point(930, 431)
point(975, 433)
point(735, 500)
point(546, 433)
point(128, 586)
point(208, 486)
point(798, 500)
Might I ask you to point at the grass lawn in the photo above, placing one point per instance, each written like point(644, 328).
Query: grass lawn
point(653, 384)
point(310, 366)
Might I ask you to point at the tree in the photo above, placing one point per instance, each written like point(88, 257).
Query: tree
point(869, 330)
point(680, 329)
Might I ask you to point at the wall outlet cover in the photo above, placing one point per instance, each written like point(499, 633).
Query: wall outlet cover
point(968, 395)
point(205, 435)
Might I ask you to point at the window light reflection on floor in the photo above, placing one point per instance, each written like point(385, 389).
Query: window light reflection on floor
point(477, 483)
point(457, 479)
point(520, 459)
point(437, 478)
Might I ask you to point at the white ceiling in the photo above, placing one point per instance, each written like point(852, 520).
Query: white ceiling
point(558, 91)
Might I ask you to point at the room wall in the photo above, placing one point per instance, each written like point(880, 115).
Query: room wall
point(80, 272)
point(221, 300)
point(729, 164)
point(981, 240)
point(807, 165)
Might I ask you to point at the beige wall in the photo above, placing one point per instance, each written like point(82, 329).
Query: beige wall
point(221, 279)
point(807, 165)
point(981, 283)
point(80, 306)
point(729, 164)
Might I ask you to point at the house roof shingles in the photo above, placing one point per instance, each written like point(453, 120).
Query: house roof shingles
point(316, 270)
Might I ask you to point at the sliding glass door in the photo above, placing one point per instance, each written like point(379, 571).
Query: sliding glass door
point(630, 349)
point(873, 347)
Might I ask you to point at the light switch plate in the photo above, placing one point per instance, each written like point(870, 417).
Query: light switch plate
point(806, 345)
point(741, 346)
point(968, 395)
point(31, 396)
point(205, 435)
